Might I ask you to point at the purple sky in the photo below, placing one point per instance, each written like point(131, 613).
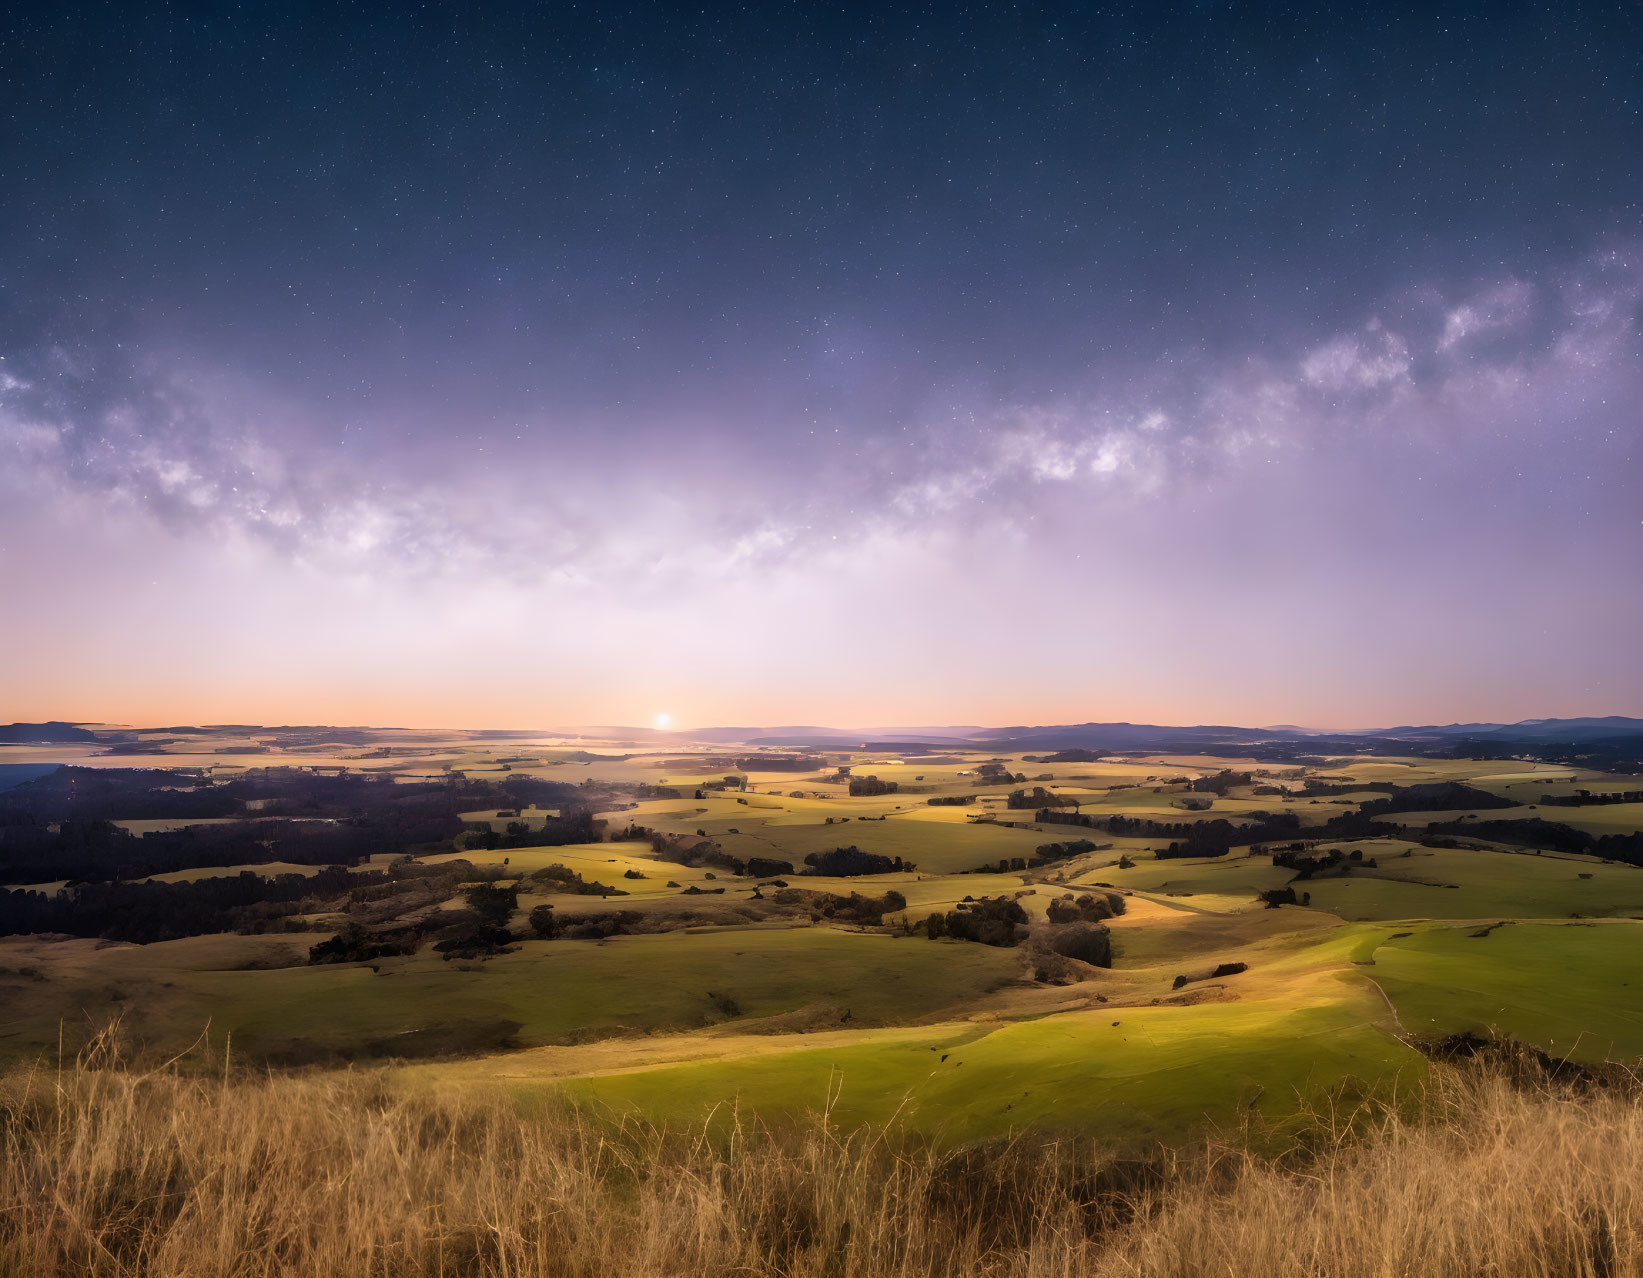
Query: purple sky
point(830, 368)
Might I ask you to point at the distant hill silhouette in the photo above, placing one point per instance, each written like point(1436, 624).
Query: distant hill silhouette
point(53, 733)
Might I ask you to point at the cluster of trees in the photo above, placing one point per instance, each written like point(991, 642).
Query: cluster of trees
point(358, 944)
point(377, 926)
point(483, 927)
point(145, 912)
point(997, 774)
point(842, 862)
point(546, 924)
point(1220, 782)
point(1088, 908)
point(60, 826)
point(1552, 835)
point(1442, 796)
point(561, 878)
point(1050, 816)
point(577, 826)
point(992, 920)
point(1316, 789)
point(1075, 932)
point(1218, 837)
point(1127, 827)
point(951, 800)
point(1215, 838)
point(1039, 797)
point(1622, 752)
point(1045, 854)
point(376, 929)
point(1582, 798)
point(1086, 940)
point(1078, 928)
point(855, 908)
point(91, 794)
point(1308, 864)
point(870, 786)
point(700, 850)
point(780, 763)
point(728, 782)
point(376, 904)
point(852, 862)
point(1221, 970)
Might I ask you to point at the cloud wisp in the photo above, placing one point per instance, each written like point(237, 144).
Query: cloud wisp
point(96, 423)
point(1442, 365)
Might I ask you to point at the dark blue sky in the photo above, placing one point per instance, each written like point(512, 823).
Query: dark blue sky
point(627, 311)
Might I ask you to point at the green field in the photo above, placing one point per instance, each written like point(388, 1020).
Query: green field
point(1572, 989)
point(546, 992)
point(1598, 819)
point(1440, 883)
point(1131, 1074)
point(720, 1003)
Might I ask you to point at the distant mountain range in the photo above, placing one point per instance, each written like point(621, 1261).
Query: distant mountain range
point(1608, 732)
point(1611, 740)
point(1154, 736)
point(1562, 730)
point(1148, 736)
point(53, 733)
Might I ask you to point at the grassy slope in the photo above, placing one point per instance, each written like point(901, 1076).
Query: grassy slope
point(555, 990)
point(638, 1027)
point(1595, 819)
point(1571, 989)
point(1132, 1073)
point(1463, 884)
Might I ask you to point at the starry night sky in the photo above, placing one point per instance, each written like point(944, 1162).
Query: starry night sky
point(505, 366)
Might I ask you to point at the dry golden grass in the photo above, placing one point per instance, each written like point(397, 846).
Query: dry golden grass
point(114, 1171)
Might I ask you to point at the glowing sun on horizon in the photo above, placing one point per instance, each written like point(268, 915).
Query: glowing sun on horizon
point(662, 721)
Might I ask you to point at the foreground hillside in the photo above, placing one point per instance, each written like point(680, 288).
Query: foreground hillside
point(1495, 1168)
point(441, 1009)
